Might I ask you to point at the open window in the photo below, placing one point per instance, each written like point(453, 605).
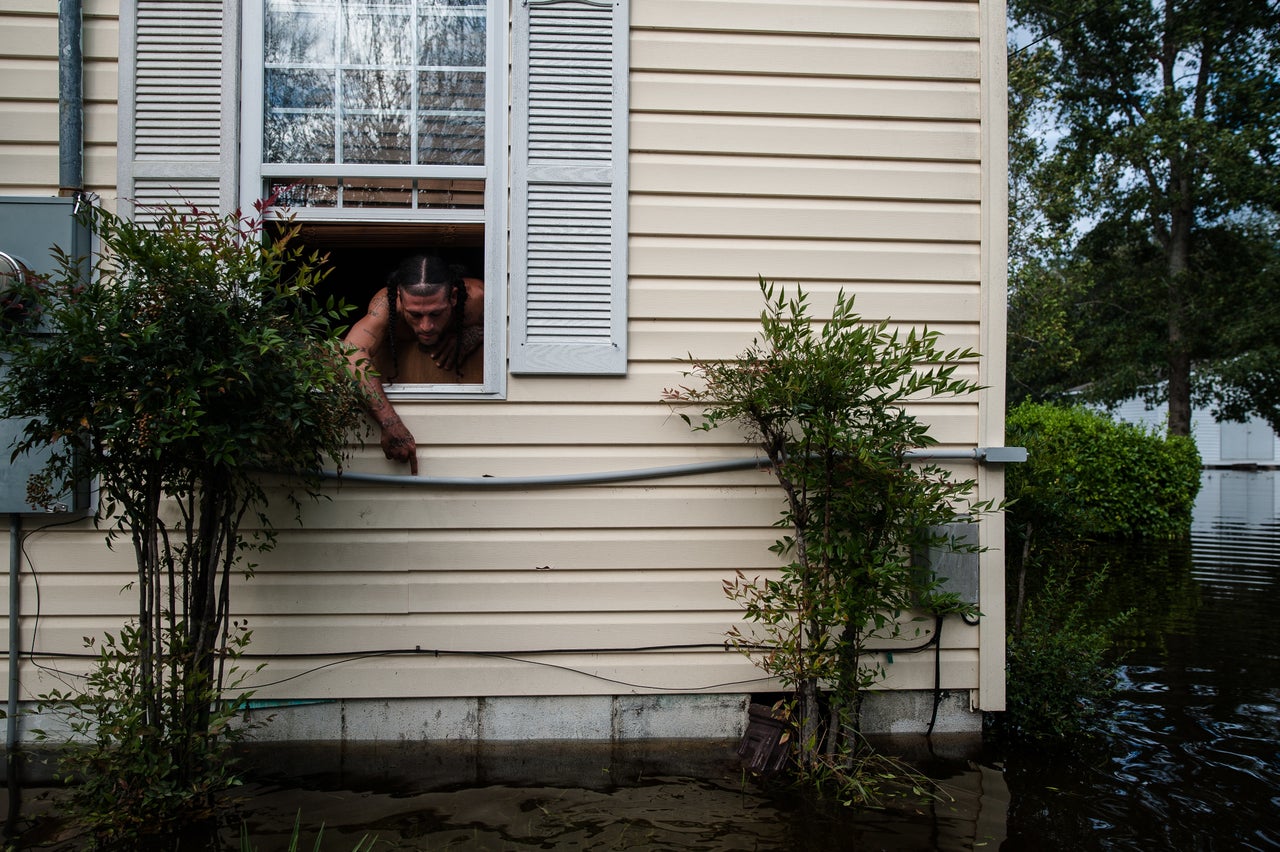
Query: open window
point(360, 262)
point(377, 123)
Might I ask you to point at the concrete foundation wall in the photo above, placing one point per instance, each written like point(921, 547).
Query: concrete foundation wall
point(616, 718)
point(619, 718)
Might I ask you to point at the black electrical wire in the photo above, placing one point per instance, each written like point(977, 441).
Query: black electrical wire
point(35, 579)
point(349, 656)
point(516, 655)
point(508, 657)
point(417, 649)
point(937, 671)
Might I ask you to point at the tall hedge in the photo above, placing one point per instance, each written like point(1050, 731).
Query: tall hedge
point(1089, 475)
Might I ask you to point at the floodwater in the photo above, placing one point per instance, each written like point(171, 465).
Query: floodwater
point(1190, 762)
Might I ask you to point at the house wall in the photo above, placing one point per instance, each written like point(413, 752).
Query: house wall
point(836, 145)
point(29, 96)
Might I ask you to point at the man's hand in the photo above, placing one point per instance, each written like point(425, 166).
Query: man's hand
point(398, 444)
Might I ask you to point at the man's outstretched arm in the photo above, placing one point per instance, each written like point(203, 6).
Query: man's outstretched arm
point(367, 339)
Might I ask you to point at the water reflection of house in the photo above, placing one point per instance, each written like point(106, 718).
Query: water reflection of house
point(619, 173)
point(1231, 496)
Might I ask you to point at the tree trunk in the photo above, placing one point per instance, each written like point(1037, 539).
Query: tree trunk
point(1179, 362)
point(1022, 580)
point(810, 724)
point(1179, 388)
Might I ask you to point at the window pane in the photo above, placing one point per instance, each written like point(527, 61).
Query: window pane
point(451, 140)
point(377, 34)
point(376, 106)
point(304, 192)
point(376, 91)
point(375, 139)
point(454, 36)
point(451, 194)
point(299, 123)
point(298, 90)
point(378, 192)
point(451, 118)
point(300, 32)
point(452, 91)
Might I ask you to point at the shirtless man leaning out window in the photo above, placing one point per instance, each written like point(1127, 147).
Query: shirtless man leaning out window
point(436, 337)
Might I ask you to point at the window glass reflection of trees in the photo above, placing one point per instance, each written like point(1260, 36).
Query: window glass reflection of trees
point(343, 83)
point(300, 33)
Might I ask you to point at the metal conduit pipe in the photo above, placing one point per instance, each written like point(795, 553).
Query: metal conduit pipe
point(15, 634)
point(995, 455)
point(70, 97)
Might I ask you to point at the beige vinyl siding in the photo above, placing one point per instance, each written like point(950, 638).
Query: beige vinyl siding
point(840, 146)
point(835, 144)
point(29, 96)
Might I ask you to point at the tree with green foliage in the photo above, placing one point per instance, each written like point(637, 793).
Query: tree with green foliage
point(1043, 296)
point(827, 404)
point(1165, 156)
point(191, 365)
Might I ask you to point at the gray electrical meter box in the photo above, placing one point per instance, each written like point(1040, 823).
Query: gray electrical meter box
point(29, 229)
point(956, 566)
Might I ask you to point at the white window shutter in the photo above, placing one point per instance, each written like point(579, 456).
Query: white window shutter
point(173, 99)
point(569, 187)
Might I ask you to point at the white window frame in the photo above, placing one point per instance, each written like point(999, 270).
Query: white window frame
point(254, 172)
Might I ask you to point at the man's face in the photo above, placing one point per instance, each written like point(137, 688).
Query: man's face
point(428, 316)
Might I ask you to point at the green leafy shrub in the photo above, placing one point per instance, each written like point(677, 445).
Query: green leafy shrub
point(137, 772)
point(193, 359)
point(1087, 475)
point(1061, 674)
point(827, 404)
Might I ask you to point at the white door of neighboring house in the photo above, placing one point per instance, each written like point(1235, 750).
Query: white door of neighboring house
point(1252, 441)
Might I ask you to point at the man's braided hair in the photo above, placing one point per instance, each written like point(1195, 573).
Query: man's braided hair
point(422, 275)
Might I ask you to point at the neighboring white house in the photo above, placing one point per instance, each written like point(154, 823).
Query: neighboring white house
point(1227, 444)
point(620, 172)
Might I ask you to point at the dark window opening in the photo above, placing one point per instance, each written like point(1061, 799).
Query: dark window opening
point(362, 256)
